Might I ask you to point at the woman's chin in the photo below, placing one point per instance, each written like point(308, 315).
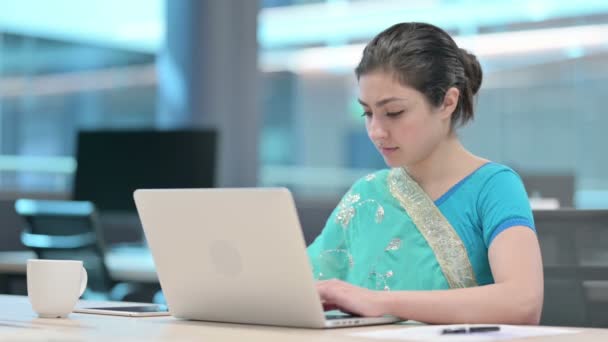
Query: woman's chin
point(392, 162)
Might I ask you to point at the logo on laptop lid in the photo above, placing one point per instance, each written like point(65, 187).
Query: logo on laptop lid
point(225, 258)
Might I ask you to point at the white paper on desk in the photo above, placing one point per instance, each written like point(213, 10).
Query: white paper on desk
point(433, 333)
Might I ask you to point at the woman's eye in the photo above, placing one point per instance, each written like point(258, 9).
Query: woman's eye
point(367, 114)
point(394, 114)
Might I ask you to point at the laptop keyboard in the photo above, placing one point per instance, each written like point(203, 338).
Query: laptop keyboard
point(332, 316)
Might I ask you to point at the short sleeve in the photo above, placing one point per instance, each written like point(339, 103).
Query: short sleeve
point(503, 203)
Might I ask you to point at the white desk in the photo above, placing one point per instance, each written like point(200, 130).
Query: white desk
point(133, 264)
point(19, 323)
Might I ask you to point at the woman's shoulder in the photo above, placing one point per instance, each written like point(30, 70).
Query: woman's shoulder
point(489, 177)
point(495, 180)
point(372, 181)
point(491, 170)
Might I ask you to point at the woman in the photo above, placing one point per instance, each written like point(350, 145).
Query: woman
point(444, 236)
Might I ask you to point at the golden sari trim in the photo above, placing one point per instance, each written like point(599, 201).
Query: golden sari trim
point(447, 246)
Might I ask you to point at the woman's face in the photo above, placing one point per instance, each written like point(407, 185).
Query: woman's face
point(400, 121)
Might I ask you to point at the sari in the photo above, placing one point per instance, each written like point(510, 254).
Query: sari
point(387, 234)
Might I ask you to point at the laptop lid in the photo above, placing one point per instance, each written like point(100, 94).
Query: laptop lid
point(230, 255)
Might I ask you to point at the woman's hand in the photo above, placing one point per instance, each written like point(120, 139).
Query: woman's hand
point(336, 294)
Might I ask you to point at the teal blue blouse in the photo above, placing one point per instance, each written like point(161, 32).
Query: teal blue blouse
point(489, 201)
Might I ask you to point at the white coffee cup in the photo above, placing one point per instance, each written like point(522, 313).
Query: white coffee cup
point(54, 286)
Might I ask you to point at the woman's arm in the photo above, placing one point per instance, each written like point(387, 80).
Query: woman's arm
point(515, 298)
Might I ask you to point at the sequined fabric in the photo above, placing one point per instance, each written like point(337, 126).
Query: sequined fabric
point(372, 241)
point(347, 209)
point(394, 245)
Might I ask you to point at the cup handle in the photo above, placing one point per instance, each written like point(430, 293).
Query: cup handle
point(84, 278)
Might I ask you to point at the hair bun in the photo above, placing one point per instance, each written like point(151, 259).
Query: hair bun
point(472, 70)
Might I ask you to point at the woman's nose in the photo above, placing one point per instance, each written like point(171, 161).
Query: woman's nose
point(375, 130)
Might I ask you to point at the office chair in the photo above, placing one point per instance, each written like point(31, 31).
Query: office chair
point(575, 257)
point(58, 229)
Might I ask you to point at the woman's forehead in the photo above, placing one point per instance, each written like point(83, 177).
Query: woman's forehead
point(375, 88)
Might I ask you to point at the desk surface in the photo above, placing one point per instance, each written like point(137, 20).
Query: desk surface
point(19, 322)
point(125, 263)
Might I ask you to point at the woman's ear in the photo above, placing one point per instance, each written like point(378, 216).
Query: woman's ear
point(450, 102)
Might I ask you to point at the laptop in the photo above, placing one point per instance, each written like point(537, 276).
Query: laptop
point(235, 255)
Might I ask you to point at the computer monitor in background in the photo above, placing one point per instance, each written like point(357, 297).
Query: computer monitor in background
point(551, 186)
point(111, 164)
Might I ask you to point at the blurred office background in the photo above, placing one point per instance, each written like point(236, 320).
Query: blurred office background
point(70, 65)
point(275, 78)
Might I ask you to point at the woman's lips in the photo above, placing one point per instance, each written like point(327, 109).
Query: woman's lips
point(388, 150)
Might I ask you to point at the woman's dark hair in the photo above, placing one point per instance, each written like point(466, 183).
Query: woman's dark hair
point(427, 59)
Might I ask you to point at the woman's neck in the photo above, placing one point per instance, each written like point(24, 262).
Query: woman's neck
point(449, 161)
